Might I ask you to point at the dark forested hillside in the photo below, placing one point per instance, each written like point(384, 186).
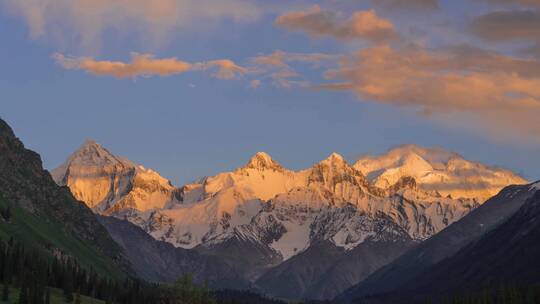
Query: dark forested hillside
point(46, 216)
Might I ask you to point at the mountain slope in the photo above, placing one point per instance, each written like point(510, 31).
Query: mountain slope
point(445, 244)
point(158, 261)
point(439, 170)
point(46, 216)
point(507, 255)
point(324, 269)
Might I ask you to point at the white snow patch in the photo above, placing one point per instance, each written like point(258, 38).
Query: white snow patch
point(294, 241)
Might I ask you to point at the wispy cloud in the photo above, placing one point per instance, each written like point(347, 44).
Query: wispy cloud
point(226, 68)
point(281, 59)
point(508, 25)
point(317, 22)
point(146, 65)
point(277, 66)
point(151, 20)
point(501, 93)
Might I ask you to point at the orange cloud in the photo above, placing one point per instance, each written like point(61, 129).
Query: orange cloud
point(146, 65)
point(316, 22)
point(502, 97)
point(226, 68)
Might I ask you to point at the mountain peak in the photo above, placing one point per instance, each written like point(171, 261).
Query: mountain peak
point(90, 142)
point(433, 155)
point(335, 155)
point(335, 158)
point(436, 169)
point(89, 154)
point(93, 154)
point(111, 184)
point(261, 160)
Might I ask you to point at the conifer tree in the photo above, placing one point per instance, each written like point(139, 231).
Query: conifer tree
point(48, 295)
point(7, 214)
point(68, 286)
point(529, 299)
point(23, 295)
point(78, 298)
point(5, 292)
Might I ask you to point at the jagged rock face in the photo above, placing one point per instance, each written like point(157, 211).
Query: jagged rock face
point(261, 193)
point(437, 170)
point(110, 184)
point(284, 206)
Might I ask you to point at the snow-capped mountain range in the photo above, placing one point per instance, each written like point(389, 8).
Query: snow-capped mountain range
point(272, 225)
point(420, 190)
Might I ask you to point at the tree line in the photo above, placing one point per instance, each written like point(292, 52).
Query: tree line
point(34, 273)
point(506, 293)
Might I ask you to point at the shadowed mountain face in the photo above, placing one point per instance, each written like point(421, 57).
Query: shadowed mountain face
point(159, 261)
point(323, 270)
point(496, 243)
point(25, 183)
point(508, 254)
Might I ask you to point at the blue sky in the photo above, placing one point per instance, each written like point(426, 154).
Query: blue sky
point(187, 125)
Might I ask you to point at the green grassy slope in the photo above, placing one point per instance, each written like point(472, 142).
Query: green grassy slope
point(45, 235)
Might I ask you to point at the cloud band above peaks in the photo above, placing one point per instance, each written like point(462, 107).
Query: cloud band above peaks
point(146, 65)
